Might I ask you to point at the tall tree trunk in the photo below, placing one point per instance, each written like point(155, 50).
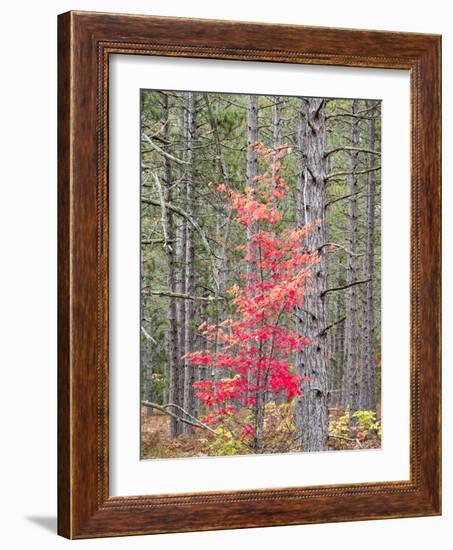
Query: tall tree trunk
point(276, 130)
point(311, 362)
point(172, 339)
point(146, 349)
point(252, 172)
point(201, 343)
point(368, 385)
point(337, 340)
point(147, 361)
point(352, 318)
point(301, 221)
point(222, 228)
point(252, 139)
point(180, 248)
point(189, 374)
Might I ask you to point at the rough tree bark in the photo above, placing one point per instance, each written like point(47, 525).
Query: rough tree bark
point(252, 172)
point(353, 371)
point(172, 338)
point(337, 349)
point(252, 157)
point(180, 249)
point(189, 374)
point(146, 348)
point(222, 227)
point(276, 130)
point(311, 408)
point(368, 382)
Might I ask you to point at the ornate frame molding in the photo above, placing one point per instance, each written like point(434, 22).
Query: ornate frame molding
point(86, 40)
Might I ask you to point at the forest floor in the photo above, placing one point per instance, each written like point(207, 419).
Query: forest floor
point(157, 442)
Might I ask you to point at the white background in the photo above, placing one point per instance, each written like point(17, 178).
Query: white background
point(129, 475)
point(28, 272)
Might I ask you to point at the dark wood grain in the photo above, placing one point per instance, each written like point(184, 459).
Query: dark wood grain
point(85, 42)
point(64, 368)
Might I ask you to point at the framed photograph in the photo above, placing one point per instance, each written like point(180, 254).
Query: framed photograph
point(249, 275)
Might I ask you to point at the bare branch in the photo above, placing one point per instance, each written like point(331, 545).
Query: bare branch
point(193, 418)
point(156, 241)
point(163, 211)
point(320, 105)
point(335, 245)
point(186, 296)
point(335, 323)
point(352, 149)
point(196, 423)
point(342, 174)
point(362, 117)
point(343, 197)
point(369, 108)
point(184, 214)
point(345, 286)
point(162, 152)
point(148, 336)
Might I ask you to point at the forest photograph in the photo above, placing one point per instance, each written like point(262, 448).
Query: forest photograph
point(260, 322)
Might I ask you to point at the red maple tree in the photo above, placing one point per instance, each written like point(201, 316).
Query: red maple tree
point(255, 349)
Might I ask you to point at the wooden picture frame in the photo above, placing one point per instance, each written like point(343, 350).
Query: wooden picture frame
point(85, 42)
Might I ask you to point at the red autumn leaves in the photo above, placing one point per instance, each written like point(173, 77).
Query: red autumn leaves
point(254, 349)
